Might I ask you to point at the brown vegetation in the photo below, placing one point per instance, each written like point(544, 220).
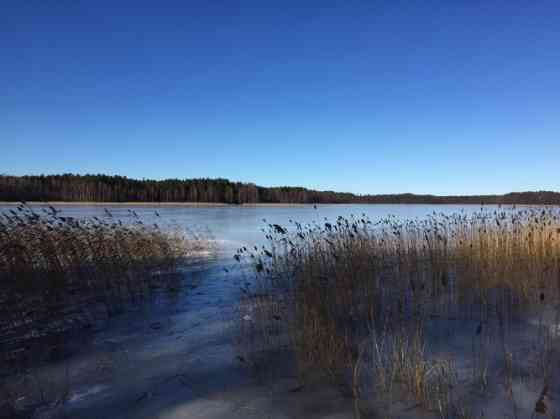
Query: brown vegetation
point(376, 308)
point(58, 272)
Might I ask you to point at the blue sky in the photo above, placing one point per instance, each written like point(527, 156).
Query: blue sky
point(362, 96)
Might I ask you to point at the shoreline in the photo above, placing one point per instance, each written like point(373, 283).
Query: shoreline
point(222, 204)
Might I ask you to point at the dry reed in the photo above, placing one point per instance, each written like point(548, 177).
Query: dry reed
point(350, 281)
point(58, 272)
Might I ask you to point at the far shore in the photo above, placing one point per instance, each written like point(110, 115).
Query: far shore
point(151, 204)
point(222, 204)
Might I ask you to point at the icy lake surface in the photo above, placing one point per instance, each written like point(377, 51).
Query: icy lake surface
point(235, 226)
point(177, 360)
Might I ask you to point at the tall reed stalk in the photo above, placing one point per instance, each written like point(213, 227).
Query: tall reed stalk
point(57, 272)
point(349, 281)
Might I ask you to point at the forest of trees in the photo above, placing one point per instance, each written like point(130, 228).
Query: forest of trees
point(102, 188)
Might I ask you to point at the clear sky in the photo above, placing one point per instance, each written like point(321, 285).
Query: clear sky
point(441, 97)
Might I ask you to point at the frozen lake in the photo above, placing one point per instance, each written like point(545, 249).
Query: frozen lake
point(235, 226)
point(178, 360)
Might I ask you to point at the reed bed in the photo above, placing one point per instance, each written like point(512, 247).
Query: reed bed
point(59, 274)
point(375, 307)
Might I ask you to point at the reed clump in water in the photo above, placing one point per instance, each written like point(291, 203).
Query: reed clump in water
point(366, 304)
point(58, 272)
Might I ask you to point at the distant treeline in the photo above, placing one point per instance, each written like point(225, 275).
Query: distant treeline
point(102, 188)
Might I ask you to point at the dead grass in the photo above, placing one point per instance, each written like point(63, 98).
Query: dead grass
point(351, 284)
point(58, 273)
